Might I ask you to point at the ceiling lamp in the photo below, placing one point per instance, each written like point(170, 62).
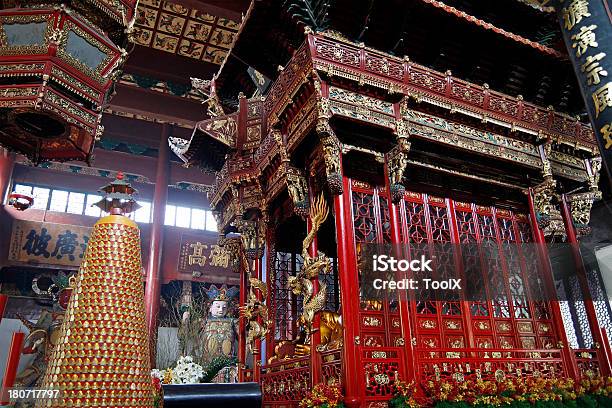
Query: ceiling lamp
point(57, 66)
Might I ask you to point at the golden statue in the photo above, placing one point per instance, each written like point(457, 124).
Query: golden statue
point(301, 284)
point(331, 339)
point(252, 311)
point(331, 331)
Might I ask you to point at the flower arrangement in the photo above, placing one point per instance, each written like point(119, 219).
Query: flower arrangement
point(323, 396)
point(521, 393)
point(404, 395)
point(185, 372)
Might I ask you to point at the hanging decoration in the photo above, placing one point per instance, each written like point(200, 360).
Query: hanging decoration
point(20, 202)
point(58, 64)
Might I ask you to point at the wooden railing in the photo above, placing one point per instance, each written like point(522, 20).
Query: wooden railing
point(285, 383)
point(485, 363)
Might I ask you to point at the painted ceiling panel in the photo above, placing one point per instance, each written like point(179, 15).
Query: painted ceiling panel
point(191, 33)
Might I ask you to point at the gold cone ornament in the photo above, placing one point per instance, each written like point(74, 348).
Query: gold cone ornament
point(102, 358)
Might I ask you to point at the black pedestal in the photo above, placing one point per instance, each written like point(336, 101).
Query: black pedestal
point(212, 395)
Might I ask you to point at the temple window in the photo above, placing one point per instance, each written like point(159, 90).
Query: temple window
point(59, 201)
point(81, 203)
point(75, 203)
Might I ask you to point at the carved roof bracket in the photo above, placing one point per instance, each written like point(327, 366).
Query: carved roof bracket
point(582, 203)
point(580, 208)
point(545, 154)
point(282, 147)
point(252, 234)
point(331, 155)
point(545, 198)
point(593, 167)
point(323, 110)
point(297, 186)
point(397, 161)
point(548, 214)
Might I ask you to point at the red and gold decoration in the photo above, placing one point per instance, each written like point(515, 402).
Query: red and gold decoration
point(323, 396)
point(311, 135)
point(103, 357)
point(57, 66)
point(20, 202)
point(527, 391)
point(405, 395)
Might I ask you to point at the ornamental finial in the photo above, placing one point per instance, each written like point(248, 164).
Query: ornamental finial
point(118, 197)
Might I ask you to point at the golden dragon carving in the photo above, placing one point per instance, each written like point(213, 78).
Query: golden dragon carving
point(301, 284)
point(252, 311)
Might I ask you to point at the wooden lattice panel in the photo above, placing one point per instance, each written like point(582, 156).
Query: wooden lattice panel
point(190, 33)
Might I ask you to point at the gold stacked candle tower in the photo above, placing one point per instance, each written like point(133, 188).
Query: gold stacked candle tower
point(102, 359)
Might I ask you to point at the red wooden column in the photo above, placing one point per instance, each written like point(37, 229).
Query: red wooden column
point(153, 282)
point(12, 363)
point(315, 338)
point(6, 171)
point(540, 241)
point(572, 240)
point(349, 294)
point(404, 305)
point(242, 322)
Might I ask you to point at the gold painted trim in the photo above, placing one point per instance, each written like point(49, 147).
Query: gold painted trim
point(117, 219)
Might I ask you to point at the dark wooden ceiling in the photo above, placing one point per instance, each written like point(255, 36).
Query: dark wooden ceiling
point(427, 34)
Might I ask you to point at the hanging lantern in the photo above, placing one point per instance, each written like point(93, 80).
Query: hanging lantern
point(57, 66)
point(20, 202)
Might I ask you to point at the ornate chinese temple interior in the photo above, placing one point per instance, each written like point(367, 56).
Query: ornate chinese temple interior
point(305, 203)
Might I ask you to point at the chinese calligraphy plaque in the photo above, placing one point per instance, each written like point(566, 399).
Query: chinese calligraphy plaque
point(47, 243)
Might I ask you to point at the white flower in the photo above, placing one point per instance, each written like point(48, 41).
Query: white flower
point(186, 371)
point(155, 373)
